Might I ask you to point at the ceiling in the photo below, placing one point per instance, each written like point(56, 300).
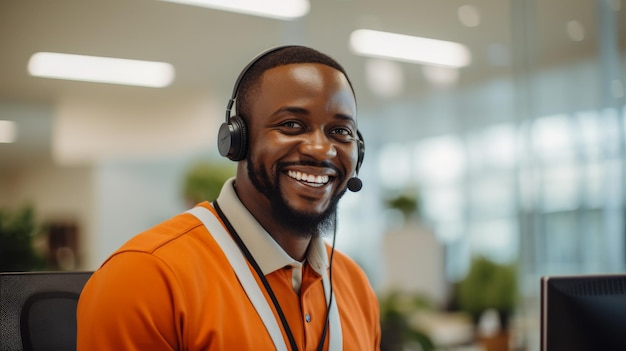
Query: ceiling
point(209, 47)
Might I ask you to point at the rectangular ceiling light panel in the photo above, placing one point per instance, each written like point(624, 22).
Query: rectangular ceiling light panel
point(408, 48)
point(276, 9)
point(101, 69)
point(8, 131)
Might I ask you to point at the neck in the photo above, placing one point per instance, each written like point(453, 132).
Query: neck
point(295, 246)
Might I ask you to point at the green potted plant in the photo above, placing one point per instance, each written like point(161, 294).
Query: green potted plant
point(396, 310)
point(488, 285)
point(17, 233)
point(488, 294)
point(406, 203)
point(204, 180)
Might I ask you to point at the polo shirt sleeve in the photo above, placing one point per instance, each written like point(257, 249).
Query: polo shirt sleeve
point(132, 302)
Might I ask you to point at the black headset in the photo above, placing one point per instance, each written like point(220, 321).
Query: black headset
point(232, 138)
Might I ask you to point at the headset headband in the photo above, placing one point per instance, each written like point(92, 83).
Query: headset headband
point(243, 73)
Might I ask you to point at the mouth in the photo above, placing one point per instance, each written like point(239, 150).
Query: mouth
point(311, 180)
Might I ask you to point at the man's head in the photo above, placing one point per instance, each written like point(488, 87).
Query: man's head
point(298, 110)
point(248, 81)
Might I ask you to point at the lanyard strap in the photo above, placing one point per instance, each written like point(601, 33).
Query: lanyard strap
point(246, 253)
point(244, 275)
point(252, 289)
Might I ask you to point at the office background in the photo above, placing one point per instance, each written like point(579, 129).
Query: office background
point(519, 157)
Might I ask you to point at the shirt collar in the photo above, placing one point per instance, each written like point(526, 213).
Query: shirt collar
point(265, 250)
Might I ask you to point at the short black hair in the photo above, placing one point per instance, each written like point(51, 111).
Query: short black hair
point(277, 57)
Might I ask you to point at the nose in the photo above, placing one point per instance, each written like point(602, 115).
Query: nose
point(318, 146)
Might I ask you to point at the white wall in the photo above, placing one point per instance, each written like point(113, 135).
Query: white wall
point(114, 165)
point(131, 197)
point(89, 129)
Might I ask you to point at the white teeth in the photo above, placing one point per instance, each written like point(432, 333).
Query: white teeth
point(309, 178)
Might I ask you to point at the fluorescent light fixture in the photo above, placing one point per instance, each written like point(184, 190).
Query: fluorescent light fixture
point(277, 9)
point(8, 131)
point(407, 48)
point(101, 69)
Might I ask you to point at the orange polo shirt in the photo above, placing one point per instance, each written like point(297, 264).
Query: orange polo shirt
point(172, 288)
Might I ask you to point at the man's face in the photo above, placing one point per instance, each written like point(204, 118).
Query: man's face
point(302, 151)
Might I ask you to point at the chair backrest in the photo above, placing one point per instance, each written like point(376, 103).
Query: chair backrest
point(38, 310)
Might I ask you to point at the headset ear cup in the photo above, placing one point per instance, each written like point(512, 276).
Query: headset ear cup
point(232, 140)
point(224, 140)
point(239, 138)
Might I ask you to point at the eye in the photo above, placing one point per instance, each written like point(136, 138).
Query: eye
point(292, 125)
point(342, 131)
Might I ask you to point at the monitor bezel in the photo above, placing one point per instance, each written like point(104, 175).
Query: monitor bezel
point(546, 280)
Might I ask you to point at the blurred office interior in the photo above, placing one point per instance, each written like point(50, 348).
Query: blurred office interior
point(516, 155)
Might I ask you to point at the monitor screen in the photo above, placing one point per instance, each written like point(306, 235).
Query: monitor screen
point(583, 312)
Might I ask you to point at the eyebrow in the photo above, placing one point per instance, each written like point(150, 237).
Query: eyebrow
point(303, 111)
point(292, 109)
point(345, 117)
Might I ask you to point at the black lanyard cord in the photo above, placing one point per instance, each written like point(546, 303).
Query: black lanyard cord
point(259, 272)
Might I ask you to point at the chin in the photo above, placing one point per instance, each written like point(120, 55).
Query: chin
point(308, 219)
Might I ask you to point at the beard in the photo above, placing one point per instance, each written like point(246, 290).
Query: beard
point(306, 224)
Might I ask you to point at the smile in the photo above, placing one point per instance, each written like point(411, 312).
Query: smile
point(309, 179)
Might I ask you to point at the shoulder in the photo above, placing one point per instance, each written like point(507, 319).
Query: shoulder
point(344, 265)
point(174, 253)
point(356, 297)
point(178, 236)
point(162, 234)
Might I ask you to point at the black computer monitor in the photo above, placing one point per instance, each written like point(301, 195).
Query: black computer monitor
point(583, 312)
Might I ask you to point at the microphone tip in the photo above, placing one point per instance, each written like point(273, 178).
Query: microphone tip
point(354, 184)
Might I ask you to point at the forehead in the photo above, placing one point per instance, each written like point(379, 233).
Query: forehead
point(308, 79)
point(306, 73)
point(307, 70)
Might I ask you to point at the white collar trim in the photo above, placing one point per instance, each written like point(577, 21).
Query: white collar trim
point(265, 250)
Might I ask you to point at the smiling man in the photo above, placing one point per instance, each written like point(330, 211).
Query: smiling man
point(303, 137)
point(251, 271)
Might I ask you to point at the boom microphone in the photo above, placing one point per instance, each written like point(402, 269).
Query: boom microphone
point(354, 184)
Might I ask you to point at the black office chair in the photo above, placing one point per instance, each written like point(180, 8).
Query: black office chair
point(38, 310)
